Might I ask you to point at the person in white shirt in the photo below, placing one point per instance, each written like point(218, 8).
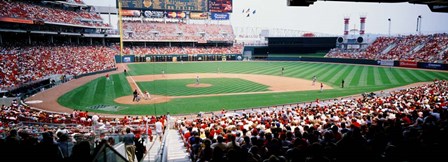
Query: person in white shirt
point(159, 129)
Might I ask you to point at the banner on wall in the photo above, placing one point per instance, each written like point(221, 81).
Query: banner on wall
point(16, 20)
point(198, 15)
point(408, 64)
point(386, 62)
point(432, 66)
point(154, 14)
point(126, 59)
point(134, 13)
point(220, 16)
point(176, 15)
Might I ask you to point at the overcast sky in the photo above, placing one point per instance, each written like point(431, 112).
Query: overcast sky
point(327, 17)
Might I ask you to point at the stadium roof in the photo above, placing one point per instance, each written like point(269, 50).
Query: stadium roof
point(434, 5)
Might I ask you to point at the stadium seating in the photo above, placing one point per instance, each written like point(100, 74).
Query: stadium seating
point(137, 30)
point(430, 51)
point(23, 131)
point(37, 62)
point(421, 48)
point(25, 10)
point(137, 50)
point(398, 126)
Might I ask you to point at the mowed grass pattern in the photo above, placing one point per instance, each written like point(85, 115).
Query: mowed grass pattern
point(97, 92)
point(354, 75)
point(178, 87)
point(358, 79)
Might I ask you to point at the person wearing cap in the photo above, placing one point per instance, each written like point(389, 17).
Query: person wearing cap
point(140, 147)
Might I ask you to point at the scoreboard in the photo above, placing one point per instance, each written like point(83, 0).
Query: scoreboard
point(172, 5)
point(220, 5)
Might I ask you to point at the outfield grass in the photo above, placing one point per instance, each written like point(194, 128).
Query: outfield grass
point(358, 79)
point(178, 87)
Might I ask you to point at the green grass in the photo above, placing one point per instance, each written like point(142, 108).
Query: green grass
point(358, 79)
point(178, 87)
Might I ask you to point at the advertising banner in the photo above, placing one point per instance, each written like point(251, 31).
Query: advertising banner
point(220, 5)
point(386, 62)
point(408, 64)
point(198, 15)
point(134, 13)
point(155, 14)
point(16, 20)
point(220, 16)
point(432, 66)
point(173, 5)
point(126, 59)
point(176, 15)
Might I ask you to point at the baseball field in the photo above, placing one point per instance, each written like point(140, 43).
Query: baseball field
point(174, 87)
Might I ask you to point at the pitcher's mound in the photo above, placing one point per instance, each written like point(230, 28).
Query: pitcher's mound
point(153, 100)
point(199, 85)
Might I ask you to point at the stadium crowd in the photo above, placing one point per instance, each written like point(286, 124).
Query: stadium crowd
point(30, 11)
point(48, 136)
point(403, 125)
point(419, 48)
point(137, 30)
point(138, 50)
point(25, 64)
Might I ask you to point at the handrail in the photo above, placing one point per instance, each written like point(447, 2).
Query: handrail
point(162, 153)
point(165, 150)
point(97, 154)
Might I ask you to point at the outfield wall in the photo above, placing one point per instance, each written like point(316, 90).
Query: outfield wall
point(177, 58)
point(410, 64)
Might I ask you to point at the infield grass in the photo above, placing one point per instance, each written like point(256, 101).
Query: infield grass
point(358, 79)
point(178, 87)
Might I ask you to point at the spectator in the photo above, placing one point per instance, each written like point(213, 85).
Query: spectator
point(128, 141)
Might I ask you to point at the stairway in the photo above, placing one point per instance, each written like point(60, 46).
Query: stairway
point(152, 152)
point(390, 47)
point(176, 150)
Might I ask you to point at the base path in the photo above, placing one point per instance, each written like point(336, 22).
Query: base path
point(276, 84)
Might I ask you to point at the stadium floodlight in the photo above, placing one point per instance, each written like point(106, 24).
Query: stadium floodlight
point(390, 23)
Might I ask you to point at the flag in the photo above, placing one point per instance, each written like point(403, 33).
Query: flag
point(248, 15)
point(243, 11)
point(248, 10)
point(254, 11)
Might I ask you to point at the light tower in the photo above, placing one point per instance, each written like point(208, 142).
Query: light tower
point(346, 23)
point(363, 25)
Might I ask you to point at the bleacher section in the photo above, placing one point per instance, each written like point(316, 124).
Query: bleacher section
point(419, 48)
point(160, 31)
point(138, 50)
point(397, 125)
point(23, 64)
point(49, 14)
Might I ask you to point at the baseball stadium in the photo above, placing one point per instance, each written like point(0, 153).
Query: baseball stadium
point(223, 80)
